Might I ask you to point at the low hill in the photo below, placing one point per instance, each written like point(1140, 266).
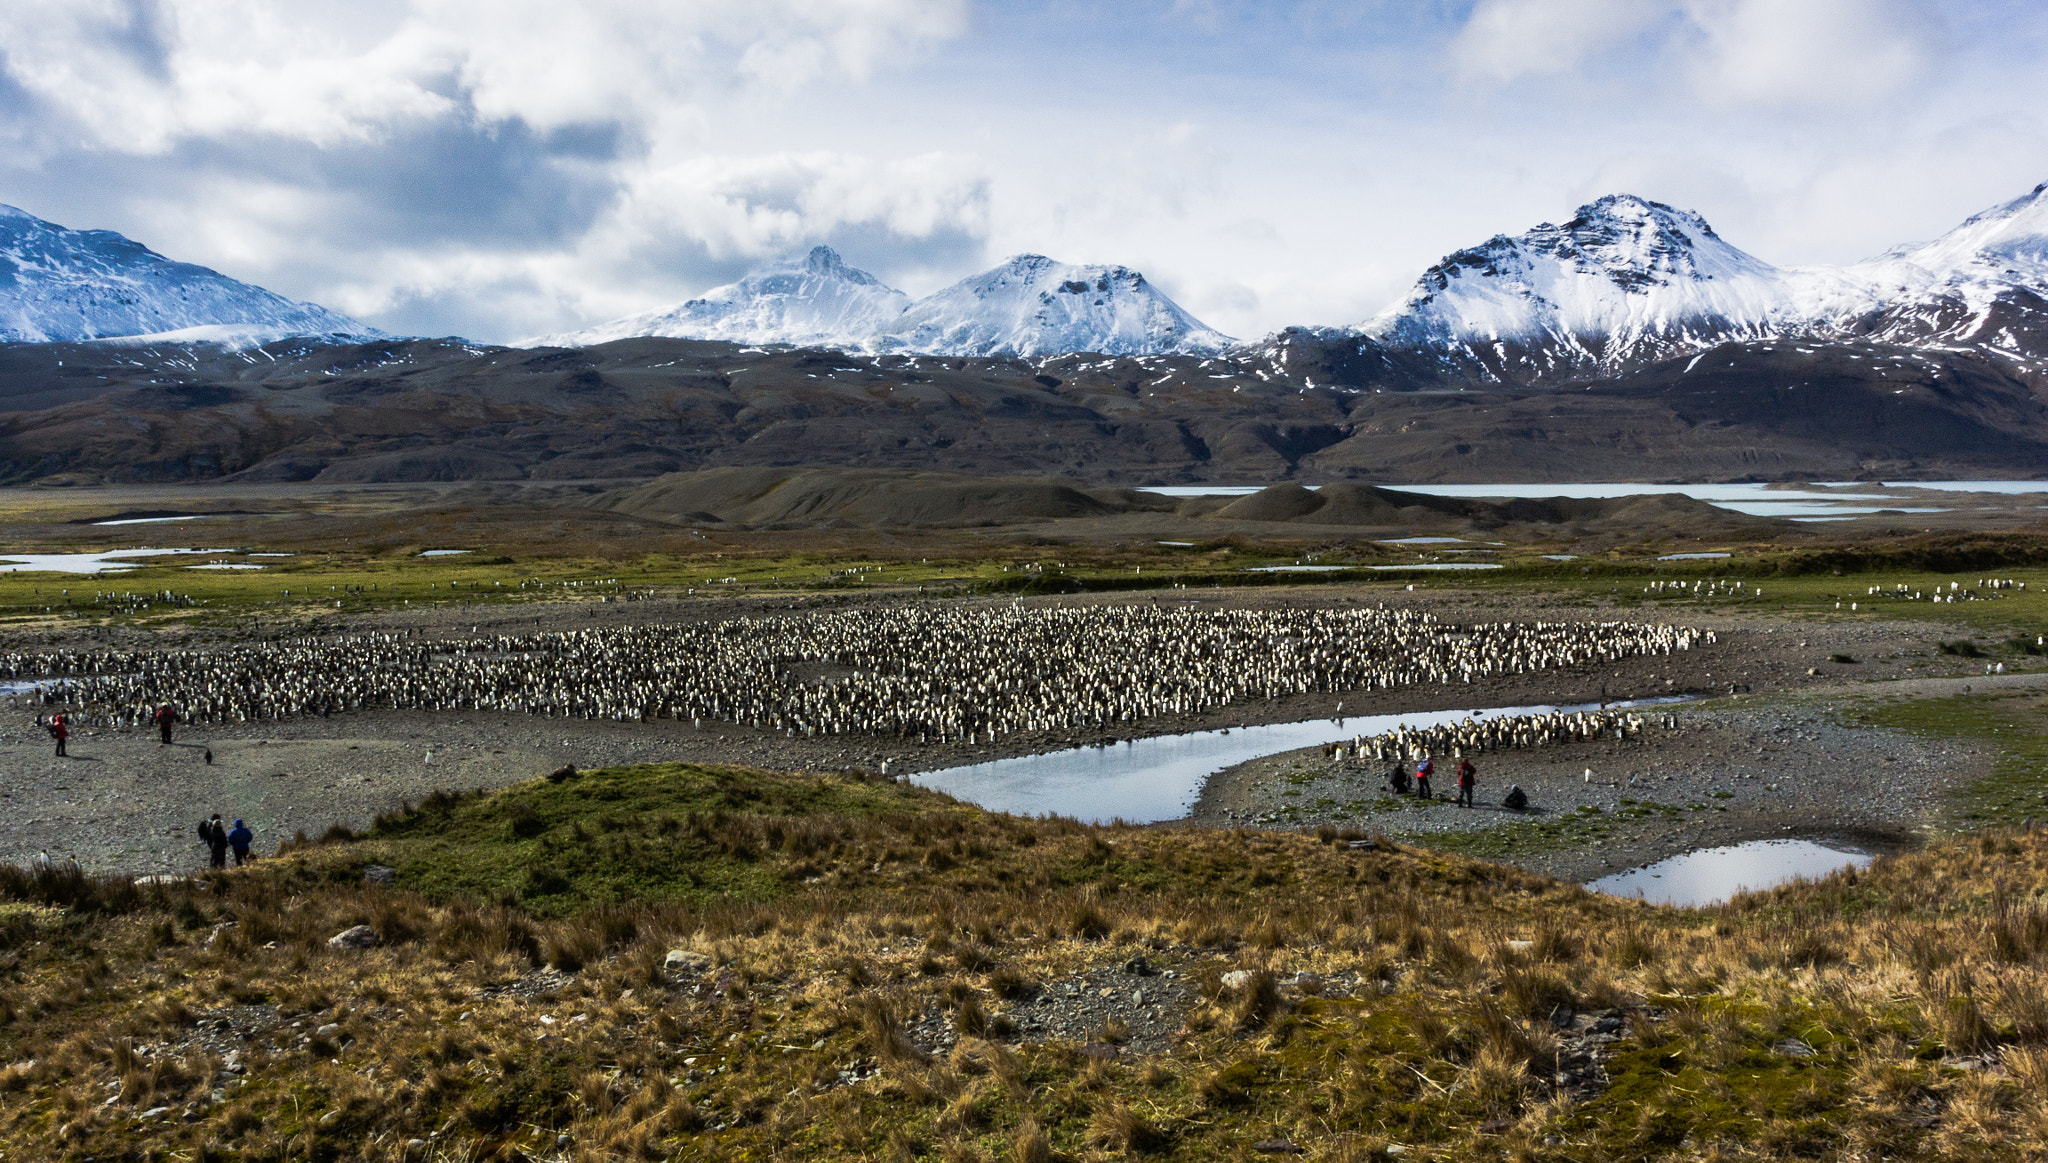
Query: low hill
point(1301, 409)
point(799, 498)
point(684, 962)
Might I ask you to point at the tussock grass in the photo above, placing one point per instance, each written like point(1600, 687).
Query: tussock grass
point(1896, 1010)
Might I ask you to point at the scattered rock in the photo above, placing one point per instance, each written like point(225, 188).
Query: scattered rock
point(1100, 1051)
point(1361, 845)
point(1237, 979)
point(359, 937)
point(566, 771)
point(686, 962)
point(155, 1112)
point(1275, 1147)
point(380, 874)
point(1793, 1048)
point(1139, 966)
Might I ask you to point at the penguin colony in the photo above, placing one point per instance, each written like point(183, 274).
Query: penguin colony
point(948, 673)
point(1986, 590)
point(1508, 732)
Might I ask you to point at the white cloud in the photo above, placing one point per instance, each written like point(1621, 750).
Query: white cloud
point(1506, 39)
point(1825, 52)
point(139, 76)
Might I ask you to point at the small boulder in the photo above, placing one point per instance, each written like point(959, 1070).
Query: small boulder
point(566, 771)
point(1139, 967)
point(1275, 1147)
point(380, 874)
point(1237, 979)
point(685, 962)
point(359, 937)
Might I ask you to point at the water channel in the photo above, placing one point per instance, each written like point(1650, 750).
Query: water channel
point(1144, 781)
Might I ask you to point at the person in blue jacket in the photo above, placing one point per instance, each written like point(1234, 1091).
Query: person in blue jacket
point(239, 838)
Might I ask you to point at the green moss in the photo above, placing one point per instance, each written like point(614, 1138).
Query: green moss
point(647, 833)
point(2012, 726)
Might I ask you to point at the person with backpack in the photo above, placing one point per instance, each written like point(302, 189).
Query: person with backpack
point(214, 835)
point(60, 730)
point(1423, 771)
point(1398, 779)
point(1468, 778)
point(239, 838)
point(165, 717)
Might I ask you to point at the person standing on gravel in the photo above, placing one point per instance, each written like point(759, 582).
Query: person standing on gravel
point(1468, 778)
point(215, 835)
point(239, 838)
point(1423, 771)
point(166, 716)
point(61, 732)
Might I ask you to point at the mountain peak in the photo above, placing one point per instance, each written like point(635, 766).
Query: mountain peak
point(59, 285)
point(815, 301)
point(1031, 305)
point(1622, 271)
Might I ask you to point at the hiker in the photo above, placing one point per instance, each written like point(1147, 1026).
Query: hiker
point(1398, 779)
point(165, 717)
point(214, 835)
point(239, 838)
point(60, 730)
point(1423, 771)
point(1468, 778)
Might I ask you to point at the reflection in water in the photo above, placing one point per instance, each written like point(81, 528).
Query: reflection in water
point(1712, 875)
point(1147, 780)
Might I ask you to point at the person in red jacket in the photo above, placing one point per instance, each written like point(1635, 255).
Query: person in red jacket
point(60, 731)
point(1468, 778)
point(165, 718)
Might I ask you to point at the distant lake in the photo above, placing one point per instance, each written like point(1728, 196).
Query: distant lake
point(1818, 501)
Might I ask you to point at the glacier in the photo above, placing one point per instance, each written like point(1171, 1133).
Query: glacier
point(59, 285)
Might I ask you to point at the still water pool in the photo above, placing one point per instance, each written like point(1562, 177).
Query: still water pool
point(1711, 875)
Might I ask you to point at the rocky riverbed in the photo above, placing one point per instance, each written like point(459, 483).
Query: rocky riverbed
point(1729, 770)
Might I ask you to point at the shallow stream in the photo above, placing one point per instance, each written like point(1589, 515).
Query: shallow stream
point(1143, 781)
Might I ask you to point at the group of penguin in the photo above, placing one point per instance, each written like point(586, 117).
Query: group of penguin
point(930, 672)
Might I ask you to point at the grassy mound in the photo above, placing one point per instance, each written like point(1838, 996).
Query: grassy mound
point(683, 962)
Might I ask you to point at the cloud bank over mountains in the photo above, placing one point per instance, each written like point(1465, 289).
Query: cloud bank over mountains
point(514, 167)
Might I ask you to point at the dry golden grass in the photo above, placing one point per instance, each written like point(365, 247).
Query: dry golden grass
point(1897, 1011)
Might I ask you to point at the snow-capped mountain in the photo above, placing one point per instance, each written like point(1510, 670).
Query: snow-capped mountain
point(1028, 306)
point(1032, 305)
point(817, 301)
point(62, 286)
point(1627, 279)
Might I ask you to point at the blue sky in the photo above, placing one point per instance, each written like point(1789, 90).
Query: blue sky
point(500, 168)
